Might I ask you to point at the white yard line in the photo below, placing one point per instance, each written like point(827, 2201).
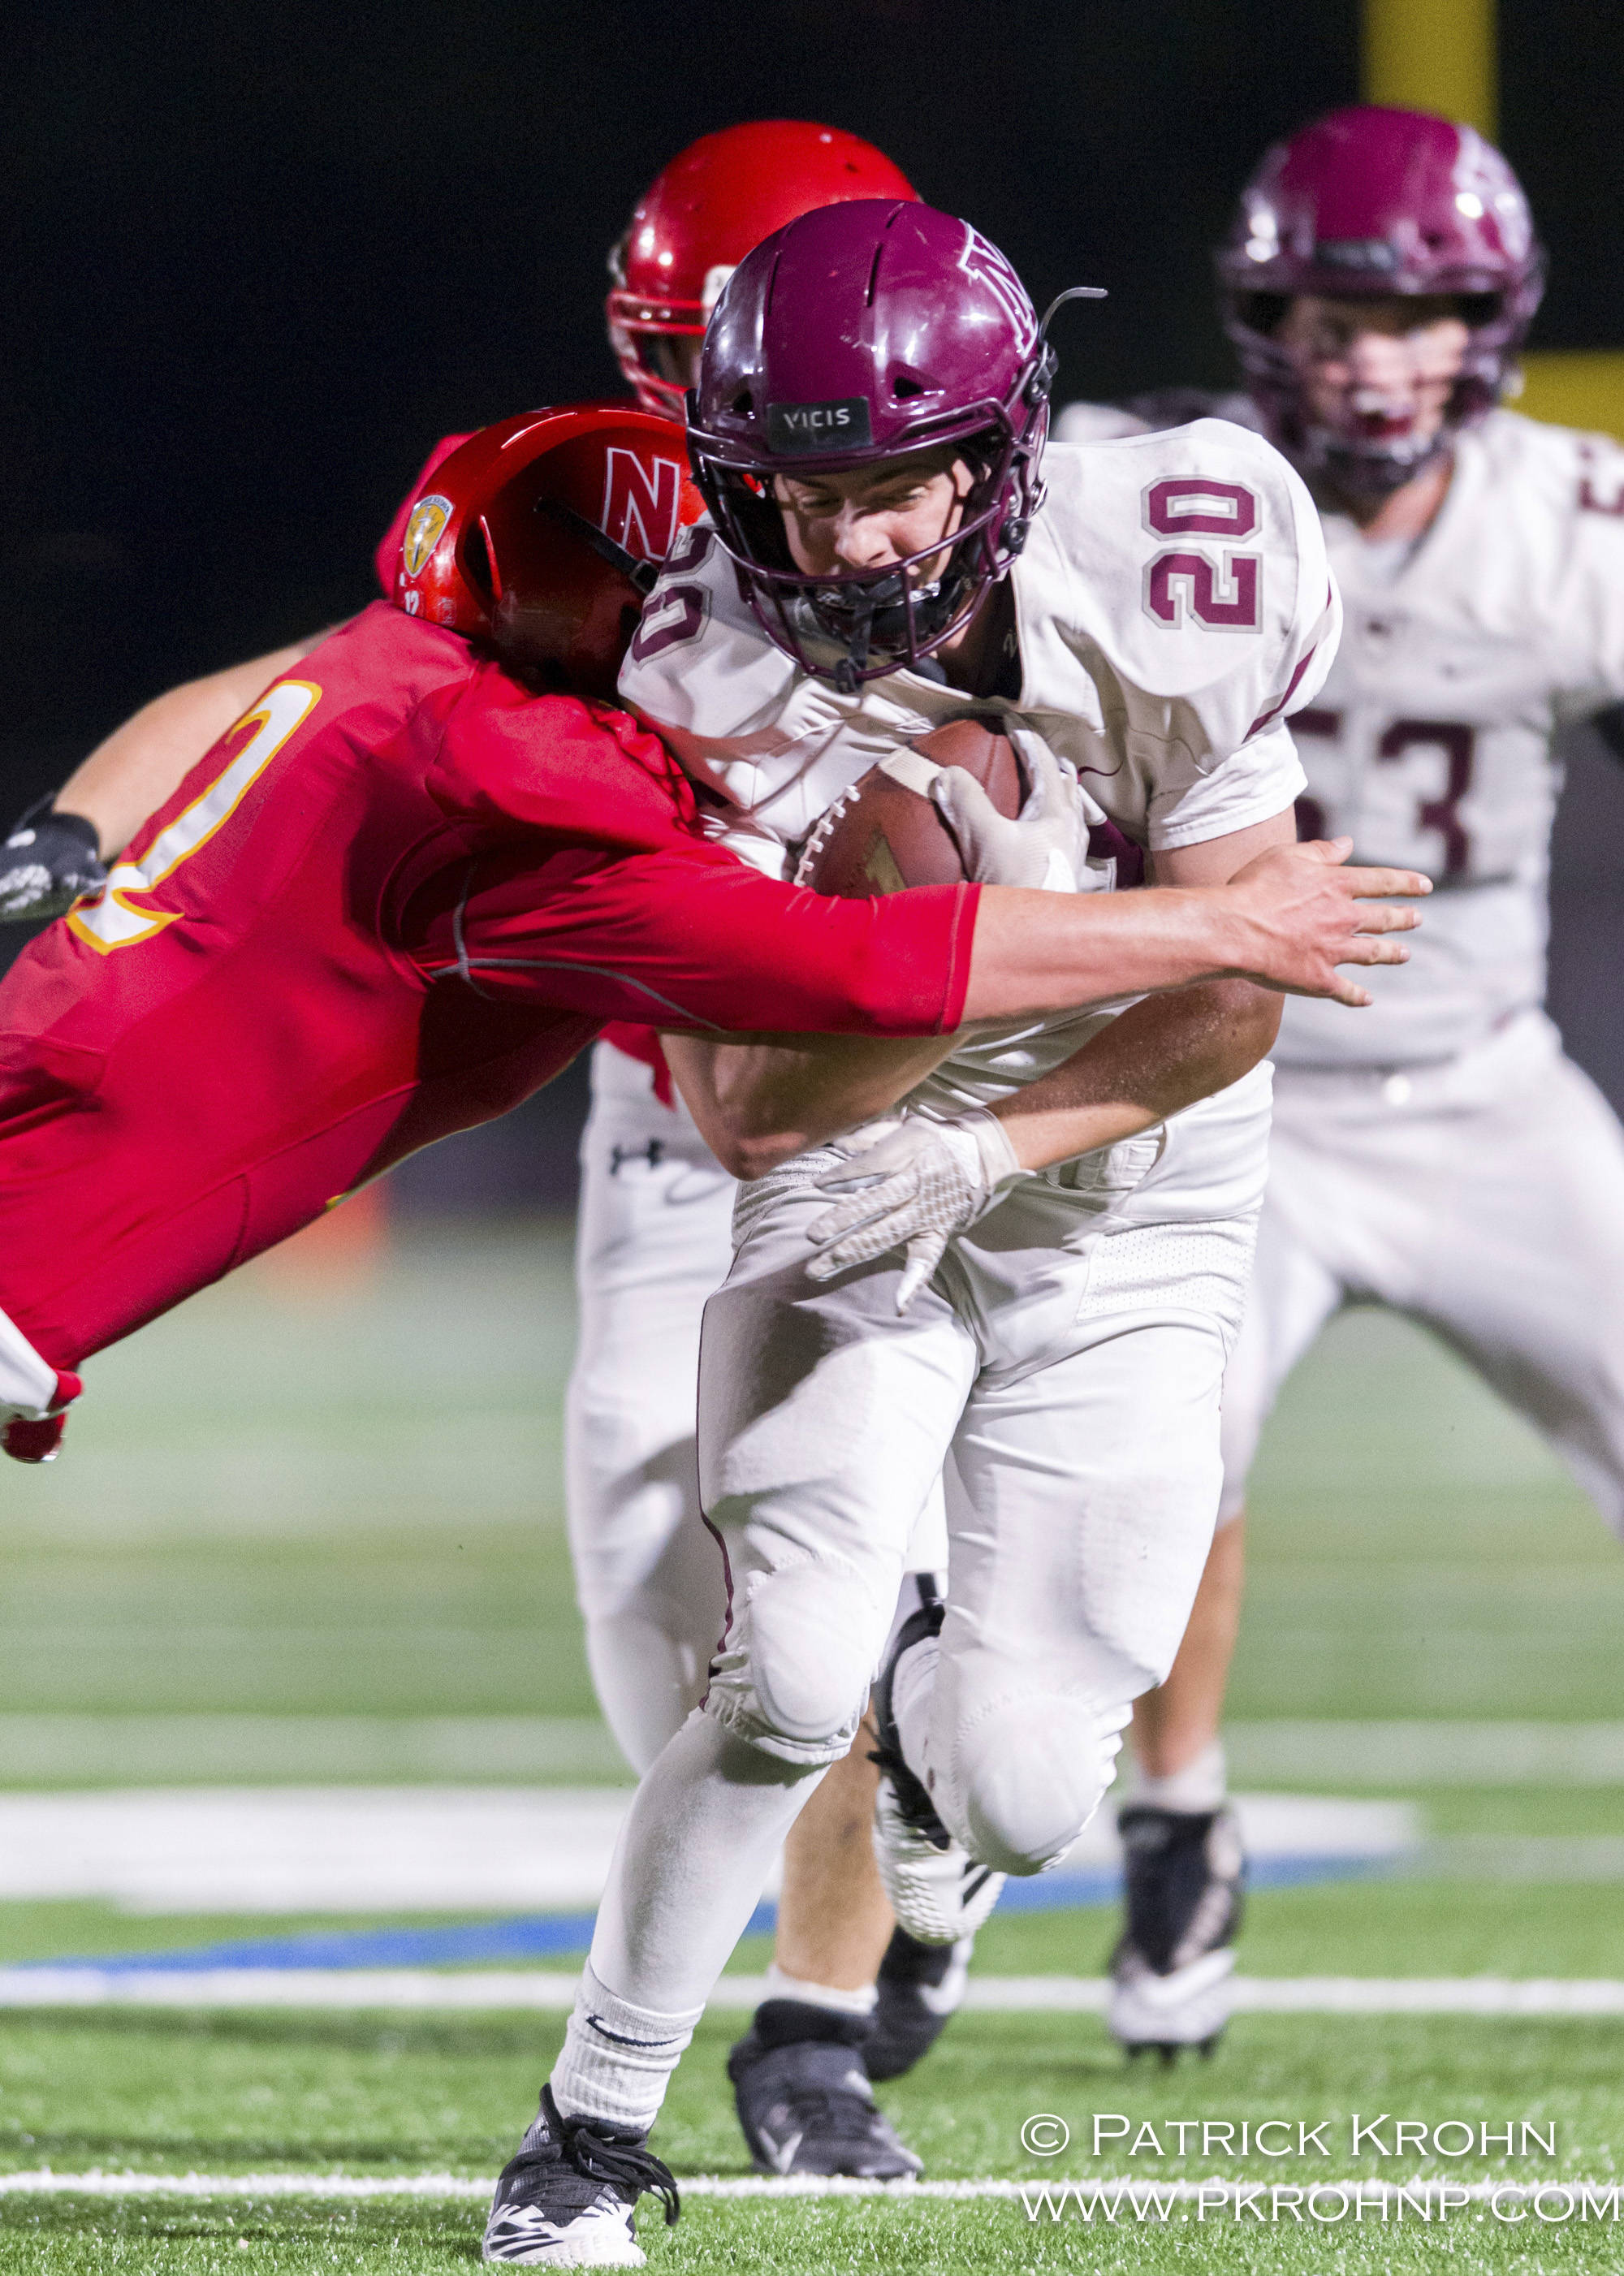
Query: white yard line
point(554, 1990)
point(1038, 2195)
point(441, 1849)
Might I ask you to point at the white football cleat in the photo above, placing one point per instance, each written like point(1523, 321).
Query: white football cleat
point(938, 1891)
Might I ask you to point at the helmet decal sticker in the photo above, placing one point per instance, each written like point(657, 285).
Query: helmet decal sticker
point(819, 426)
point(428, 518)
point(985, 262)
point(638, 512)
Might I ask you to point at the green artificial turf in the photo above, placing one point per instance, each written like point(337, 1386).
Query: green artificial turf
point(309, 1499)
point(375, 2096)
point(301, 1497)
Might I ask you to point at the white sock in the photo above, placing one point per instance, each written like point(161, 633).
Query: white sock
point(1201, 1784)
point(860, 2002)
point(617, 2059)
point(703, 1834)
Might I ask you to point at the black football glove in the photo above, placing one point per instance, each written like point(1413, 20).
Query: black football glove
point(46, 863)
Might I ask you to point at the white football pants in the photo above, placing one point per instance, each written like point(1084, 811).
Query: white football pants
point(1064, 1367)
point(653, 1239)
point(1484, 1197)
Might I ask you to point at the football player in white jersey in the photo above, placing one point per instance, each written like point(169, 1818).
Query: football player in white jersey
point(868, 430)
point(848, 1991)
point(1440, 1156)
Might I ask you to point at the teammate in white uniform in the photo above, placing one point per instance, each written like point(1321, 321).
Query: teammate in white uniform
point(1441, 1155)
point(849, 1992)
point(1150, 627)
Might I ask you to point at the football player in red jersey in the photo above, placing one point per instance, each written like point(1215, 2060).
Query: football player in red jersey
point(411, 883)
point(655, 1235)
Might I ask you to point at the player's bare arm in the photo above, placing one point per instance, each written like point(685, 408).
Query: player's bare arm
point(758, 1101)
point(1287, 920)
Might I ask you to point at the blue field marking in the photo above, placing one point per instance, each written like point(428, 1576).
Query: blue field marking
point(552, 1936)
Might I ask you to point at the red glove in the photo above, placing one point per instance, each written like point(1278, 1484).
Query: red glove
point(38, 1441)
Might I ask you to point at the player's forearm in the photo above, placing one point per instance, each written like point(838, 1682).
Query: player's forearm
point(1159, 1057)
point(1285, 921)
point(130, 774)
point(1039, 952)
point(759, 1101)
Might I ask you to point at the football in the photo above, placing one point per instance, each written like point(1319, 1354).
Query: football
point(886, 831)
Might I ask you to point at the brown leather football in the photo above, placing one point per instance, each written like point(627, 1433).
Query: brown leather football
point(884, 834)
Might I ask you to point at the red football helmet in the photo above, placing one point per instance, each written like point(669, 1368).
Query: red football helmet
point(1366, 203)
point(542, 534)
point(702, 213)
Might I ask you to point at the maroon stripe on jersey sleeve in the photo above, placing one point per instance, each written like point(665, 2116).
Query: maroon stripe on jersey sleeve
point(1266, 719)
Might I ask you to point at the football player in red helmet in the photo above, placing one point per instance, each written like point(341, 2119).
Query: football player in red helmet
point(405, 889)
point(1440, 1155)
point(699, 217)
point(648, 1587)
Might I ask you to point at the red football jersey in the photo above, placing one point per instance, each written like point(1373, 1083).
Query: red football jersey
point(638, 1041)
point(396, 899)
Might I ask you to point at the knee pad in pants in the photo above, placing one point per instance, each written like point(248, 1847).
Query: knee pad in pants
point(793, 1677)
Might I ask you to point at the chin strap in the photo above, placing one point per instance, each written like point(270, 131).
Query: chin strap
point(642, 576)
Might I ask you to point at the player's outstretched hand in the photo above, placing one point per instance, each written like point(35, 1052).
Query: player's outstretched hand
point(913, 1189)
point(46, 863)
point(1046, 846)
point(1303, 912)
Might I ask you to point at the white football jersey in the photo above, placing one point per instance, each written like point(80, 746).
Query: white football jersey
point(1174, 605)
point(1430, 742)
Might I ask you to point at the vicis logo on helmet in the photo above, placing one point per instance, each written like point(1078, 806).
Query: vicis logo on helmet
point(817, 425)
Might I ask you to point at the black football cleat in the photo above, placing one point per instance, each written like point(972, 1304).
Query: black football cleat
point(921, 1986)
point(804, 2099)
point(568, 2199)
point(1170, 1971)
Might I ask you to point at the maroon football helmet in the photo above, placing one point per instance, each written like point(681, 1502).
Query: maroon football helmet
point(857, 334)
point(1368, 203)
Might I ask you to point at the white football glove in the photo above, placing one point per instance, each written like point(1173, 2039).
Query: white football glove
point(913, 1190)
point(1046, 847)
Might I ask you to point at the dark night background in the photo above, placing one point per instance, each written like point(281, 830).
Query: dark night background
point(258, 260)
